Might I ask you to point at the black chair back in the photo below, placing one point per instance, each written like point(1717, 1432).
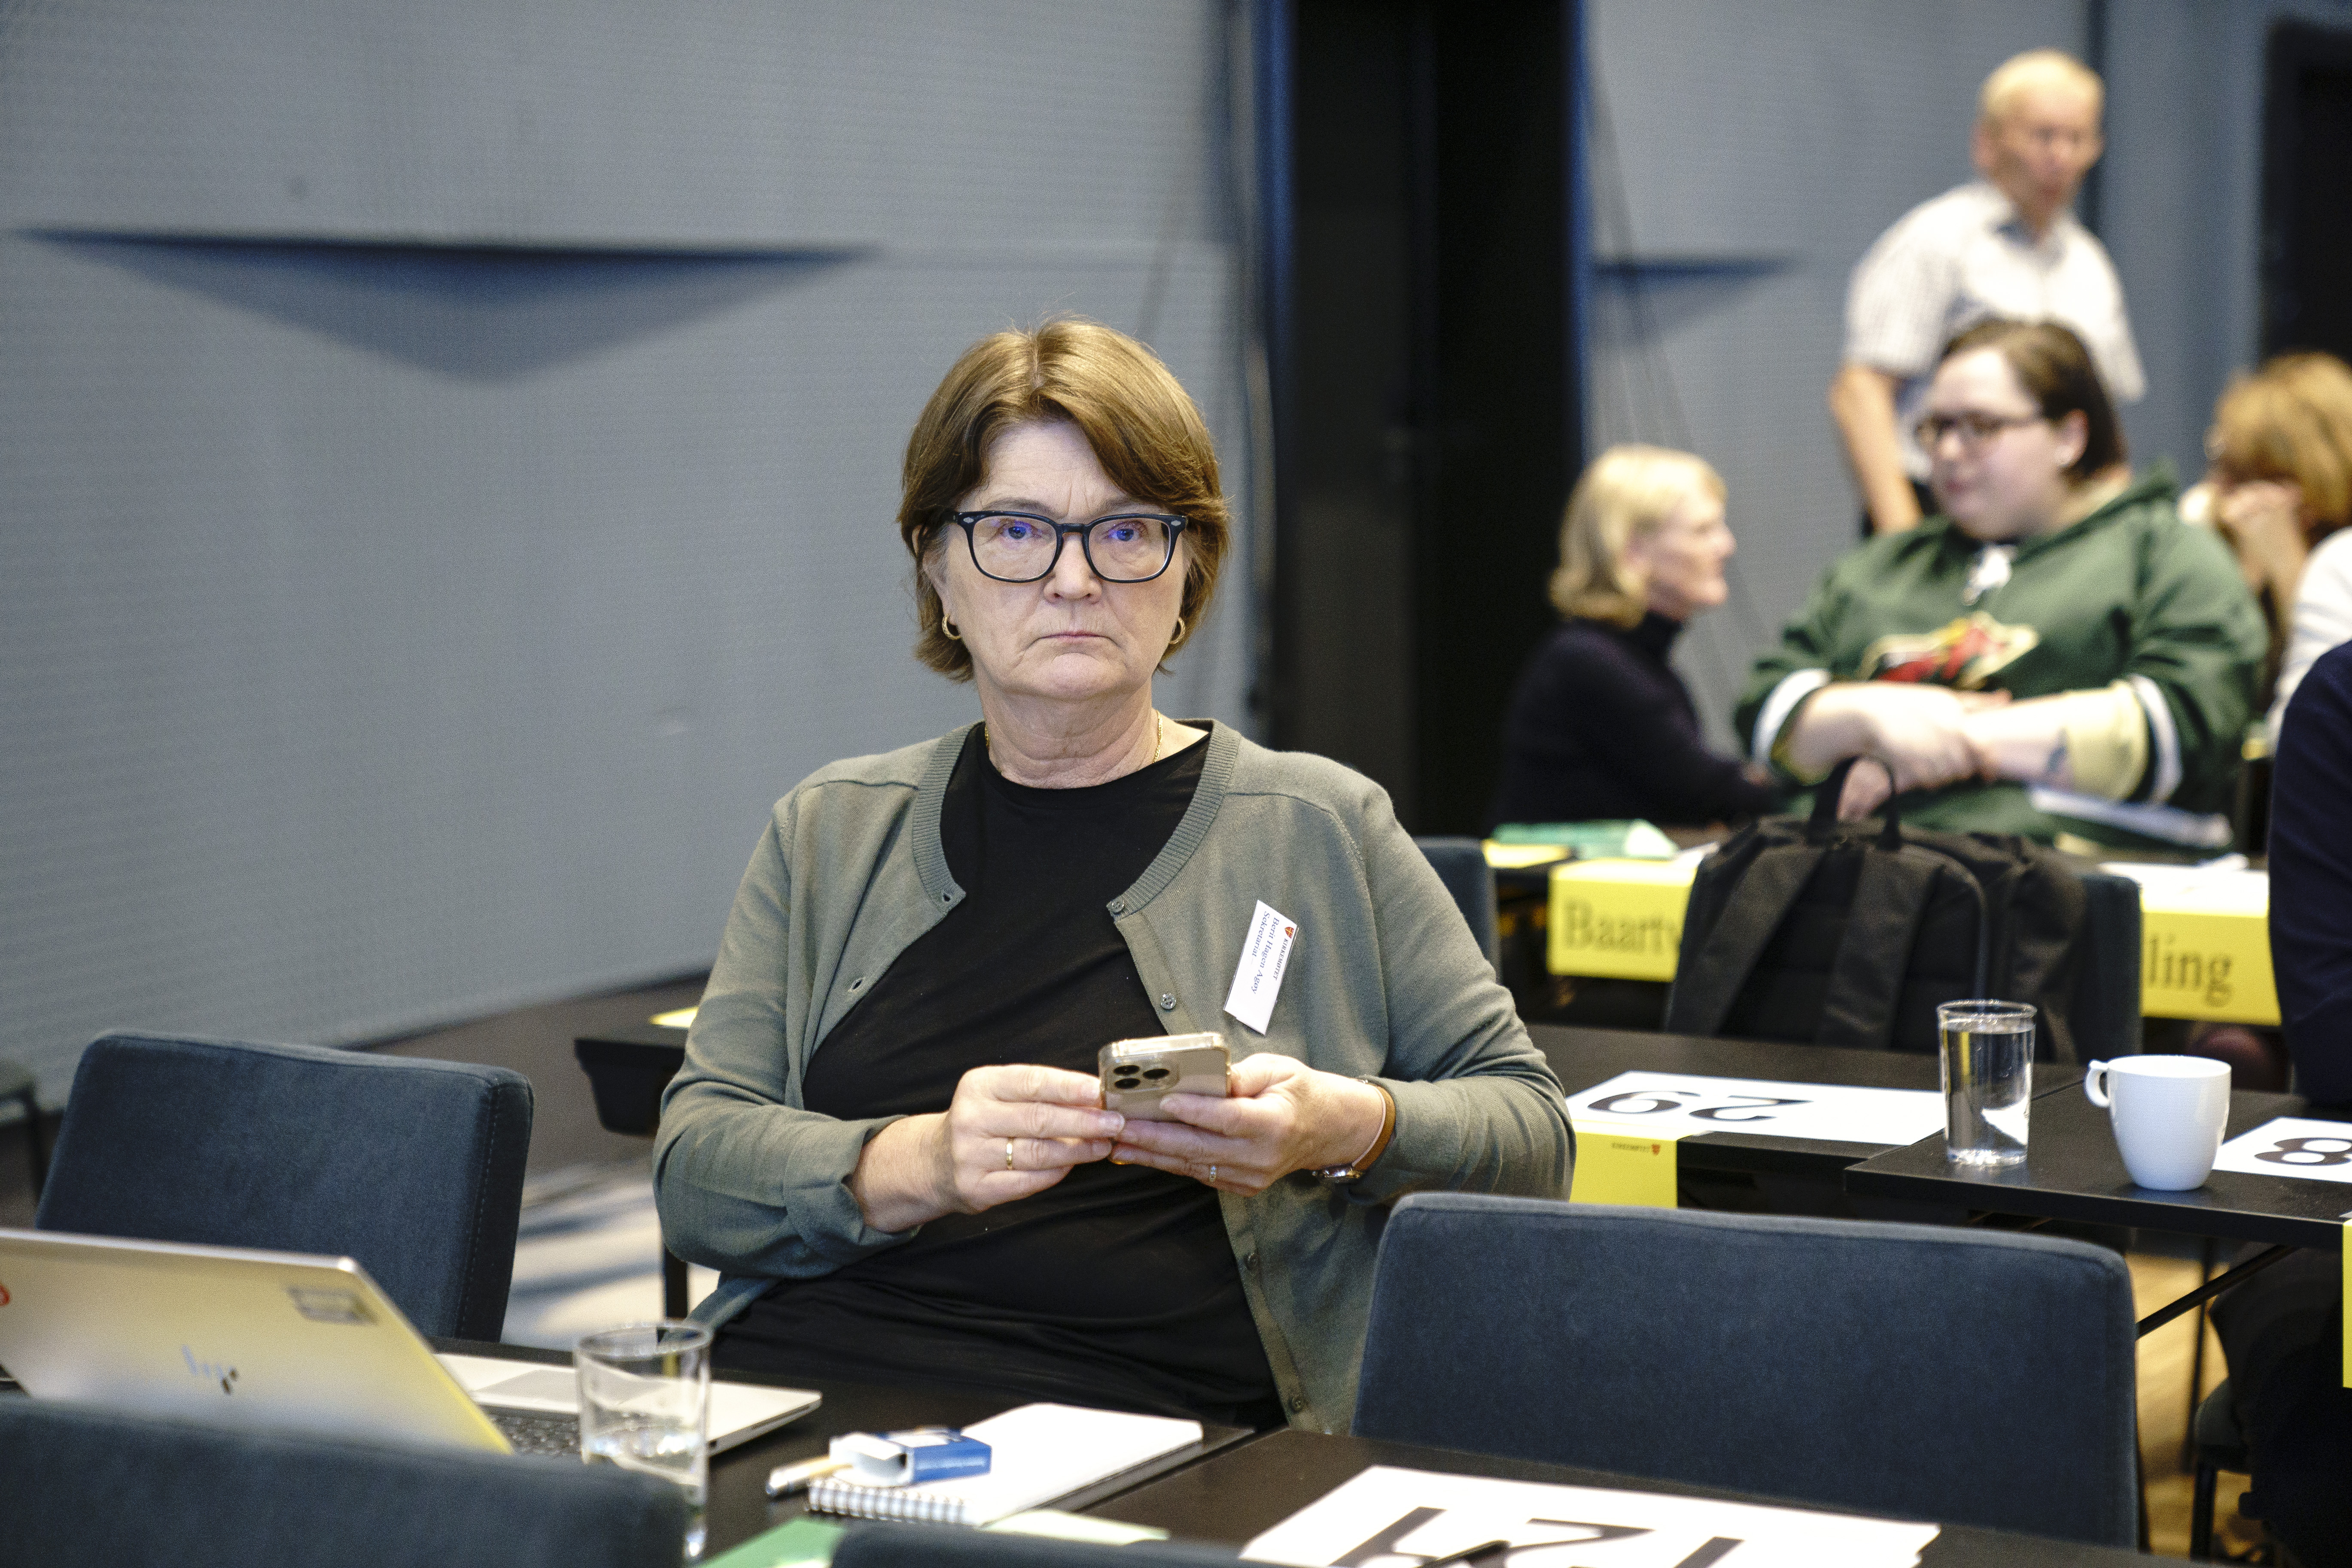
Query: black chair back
point(86, 1484)
point(1461, 864)
point(1963, 1376)
point(412, 1167)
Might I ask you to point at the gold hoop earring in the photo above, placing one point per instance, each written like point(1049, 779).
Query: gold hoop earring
point(1178, 634)
point(947, 629)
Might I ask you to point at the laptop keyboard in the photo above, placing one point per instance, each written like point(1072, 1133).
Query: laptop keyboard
point(531, 1432)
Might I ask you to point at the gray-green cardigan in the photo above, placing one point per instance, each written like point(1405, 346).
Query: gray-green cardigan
point(1385, 981)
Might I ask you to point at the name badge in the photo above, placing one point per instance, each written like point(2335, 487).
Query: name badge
point(1259, 978)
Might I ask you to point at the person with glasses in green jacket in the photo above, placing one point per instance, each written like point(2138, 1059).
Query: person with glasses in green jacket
point(2053, 655)
point(889, 1135)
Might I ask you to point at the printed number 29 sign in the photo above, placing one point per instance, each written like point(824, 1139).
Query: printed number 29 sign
point(2291, 1146)
point(1683, 1105)
point(1653, 1102)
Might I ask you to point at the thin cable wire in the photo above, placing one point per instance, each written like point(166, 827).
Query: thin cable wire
point(1641, 356)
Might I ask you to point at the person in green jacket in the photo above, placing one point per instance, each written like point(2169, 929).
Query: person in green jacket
point(2054, 655)
point(889, 1135)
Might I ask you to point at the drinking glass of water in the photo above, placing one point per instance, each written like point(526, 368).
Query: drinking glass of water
point(1987, 1051)
point(645, 1406)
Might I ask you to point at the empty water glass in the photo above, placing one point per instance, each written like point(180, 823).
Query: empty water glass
point(1988, 1069)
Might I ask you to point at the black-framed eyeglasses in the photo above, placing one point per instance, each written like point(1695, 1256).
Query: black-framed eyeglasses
point(1021, 547)
point(1973, 429)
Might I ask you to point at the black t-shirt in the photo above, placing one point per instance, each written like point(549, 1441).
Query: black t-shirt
point(1115, 1286)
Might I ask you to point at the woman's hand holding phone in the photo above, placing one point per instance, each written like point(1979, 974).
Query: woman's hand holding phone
point(1281, 1116)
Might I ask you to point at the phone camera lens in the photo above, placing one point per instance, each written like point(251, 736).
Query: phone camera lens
point(1126, 1080)
point(1155, 1075)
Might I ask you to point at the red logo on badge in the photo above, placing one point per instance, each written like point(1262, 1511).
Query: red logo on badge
point(1290, 930)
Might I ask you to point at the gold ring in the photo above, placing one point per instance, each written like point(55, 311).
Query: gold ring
point(1008, 1153)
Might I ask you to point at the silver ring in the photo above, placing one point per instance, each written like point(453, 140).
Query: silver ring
point(1212, 1175)
point(1008, 1153)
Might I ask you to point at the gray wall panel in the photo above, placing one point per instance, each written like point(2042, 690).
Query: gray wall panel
point(387, 635)
point(926, 124)
point(2184, 196)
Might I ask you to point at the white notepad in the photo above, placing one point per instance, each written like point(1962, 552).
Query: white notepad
point(1038, 1453)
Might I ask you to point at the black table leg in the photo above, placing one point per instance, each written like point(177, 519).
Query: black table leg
point(673, 1284)
point(2197, 1357)
point(2211, 1288)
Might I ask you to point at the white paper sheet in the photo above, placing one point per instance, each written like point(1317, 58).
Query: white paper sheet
point(1391, 1518)
point(2222, 887)
point(1684, 1104)
point(2291, 1146)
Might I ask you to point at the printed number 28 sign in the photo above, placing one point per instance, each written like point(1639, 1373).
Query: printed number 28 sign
point(2291, 1146)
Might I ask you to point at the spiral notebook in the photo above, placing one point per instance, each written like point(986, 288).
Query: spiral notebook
point(1039, 1453)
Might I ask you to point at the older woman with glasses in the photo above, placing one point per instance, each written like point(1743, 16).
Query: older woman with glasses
point(2053, 656)
point(890, 1135)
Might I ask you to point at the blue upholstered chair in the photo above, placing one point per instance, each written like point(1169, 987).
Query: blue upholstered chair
point(1965, 1376)
point(1462, 866)
point(86, 1484)
point(944, 1546)
point(412, 1167)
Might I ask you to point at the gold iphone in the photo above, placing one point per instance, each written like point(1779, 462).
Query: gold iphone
point(1137, 1073)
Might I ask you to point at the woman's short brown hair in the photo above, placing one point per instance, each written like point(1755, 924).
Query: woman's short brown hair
point(1627, 492)
point(1144, 430)
point(2291, 420)
point(2051, 362)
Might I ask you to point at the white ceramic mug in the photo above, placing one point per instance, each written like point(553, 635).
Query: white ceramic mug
point(2168, 1114)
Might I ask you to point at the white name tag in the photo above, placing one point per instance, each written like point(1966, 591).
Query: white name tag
point(1259, 978)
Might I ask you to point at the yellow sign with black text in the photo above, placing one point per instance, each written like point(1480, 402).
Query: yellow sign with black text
point(1617, 918)
point(2195, 964)
point(1619, 1164)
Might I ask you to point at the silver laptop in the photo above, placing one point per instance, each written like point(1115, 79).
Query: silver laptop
point(282, 1339)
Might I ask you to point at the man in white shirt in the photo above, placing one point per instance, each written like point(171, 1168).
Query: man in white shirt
point(2007, 245)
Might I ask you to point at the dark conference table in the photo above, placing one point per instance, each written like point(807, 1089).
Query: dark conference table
point(1236, 1485)
point(629, 1068)
point(2073, 1171)
point(739, 1507)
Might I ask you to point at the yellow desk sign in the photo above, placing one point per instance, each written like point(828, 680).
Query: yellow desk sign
point(2205, 935)
point(1620, 920)
point(2198, 964)
point(1621, 1165)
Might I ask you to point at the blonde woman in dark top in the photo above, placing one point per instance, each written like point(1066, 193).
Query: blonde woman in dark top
point(1601, 726)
